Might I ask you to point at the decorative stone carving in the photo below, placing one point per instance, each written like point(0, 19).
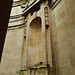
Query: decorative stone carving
point(46, 17)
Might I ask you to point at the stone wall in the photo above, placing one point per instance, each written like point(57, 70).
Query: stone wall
point(51, 42)
point(12, 52)
point(62, 28)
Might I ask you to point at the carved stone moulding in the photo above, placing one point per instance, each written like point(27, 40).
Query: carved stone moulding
point(53, 3)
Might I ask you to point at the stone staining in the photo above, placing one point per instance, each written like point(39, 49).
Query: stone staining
point(38, 41)
point(35, 42)
point(35, 29)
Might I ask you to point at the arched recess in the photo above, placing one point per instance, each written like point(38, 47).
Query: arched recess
point(35, 42)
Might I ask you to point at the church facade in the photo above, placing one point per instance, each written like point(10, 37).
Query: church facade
point(40, 39)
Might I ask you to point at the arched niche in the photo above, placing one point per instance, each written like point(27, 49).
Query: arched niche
point(35, 42)
point(35, 32)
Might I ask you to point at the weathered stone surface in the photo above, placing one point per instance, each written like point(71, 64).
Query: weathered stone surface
point(53, 45)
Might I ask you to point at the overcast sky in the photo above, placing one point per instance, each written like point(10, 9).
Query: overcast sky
point(15, 0)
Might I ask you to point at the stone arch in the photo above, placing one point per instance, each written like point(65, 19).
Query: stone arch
point(35, 31)
point(35, 41)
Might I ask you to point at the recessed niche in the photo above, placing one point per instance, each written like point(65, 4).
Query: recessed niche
point(35, 42)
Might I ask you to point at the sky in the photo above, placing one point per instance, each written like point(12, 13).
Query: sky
point(15, 0)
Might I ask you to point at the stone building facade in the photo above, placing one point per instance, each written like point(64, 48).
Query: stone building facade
point(40, 39)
